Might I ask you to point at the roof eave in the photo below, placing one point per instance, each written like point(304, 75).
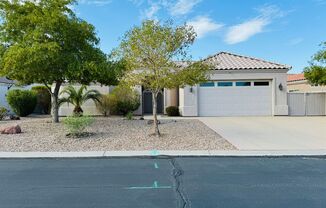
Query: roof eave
point(240, 69)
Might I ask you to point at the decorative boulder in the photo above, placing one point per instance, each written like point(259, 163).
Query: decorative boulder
point(13, 117)
point(11, 130)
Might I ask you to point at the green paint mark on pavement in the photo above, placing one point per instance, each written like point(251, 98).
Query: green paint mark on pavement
point(154, 152)
point(156, 165)
point(154, 186)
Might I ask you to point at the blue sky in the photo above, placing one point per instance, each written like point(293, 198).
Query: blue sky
point(284, 31)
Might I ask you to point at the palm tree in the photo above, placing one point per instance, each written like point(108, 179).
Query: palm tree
point(79, 97)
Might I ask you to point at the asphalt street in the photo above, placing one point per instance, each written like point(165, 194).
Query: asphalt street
point(164, 182)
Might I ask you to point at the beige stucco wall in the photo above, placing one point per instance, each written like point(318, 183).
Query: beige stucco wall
point(188, 96)
point(171, 98)
point(89, 107)
point(303, 86)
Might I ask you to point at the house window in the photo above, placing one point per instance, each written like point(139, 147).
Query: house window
point(207, 84)
point(224, 84)
point(242, 84)
point(261, 83)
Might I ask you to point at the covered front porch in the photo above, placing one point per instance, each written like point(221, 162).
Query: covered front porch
point(167, 97)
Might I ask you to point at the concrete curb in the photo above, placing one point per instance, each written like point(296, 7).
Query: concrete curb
point(204, 153)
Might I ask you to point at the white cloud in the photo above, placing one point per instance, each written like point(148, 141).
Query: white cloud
point(203, 25)
point(296, 41)
point(137, 2)
point(182, 7)
point(96, 2)
point(245, 30)
point(174, 8)
point(150, 12)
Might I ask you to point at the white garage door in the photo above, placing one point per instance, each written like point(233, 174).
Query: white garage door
point(235, 98)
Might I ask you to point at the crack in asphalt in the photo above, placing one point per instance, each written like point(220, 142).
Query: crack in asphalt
point(177, 173)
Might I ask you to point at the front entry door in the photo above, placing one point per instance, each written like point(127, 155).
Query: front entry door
point(148, 103)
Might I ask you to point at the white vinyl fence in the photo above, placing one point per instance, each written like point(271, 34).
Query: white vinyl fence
point(307, 104)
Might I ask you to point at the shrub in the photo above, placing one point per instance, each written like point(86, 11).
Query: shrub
point(107, 104)
point(128, 100)
point(22, 102)
point(3, 112)
point(172, 111)
point(127, 106)
point(43, 99)
point(130, 115)
point(77, 124)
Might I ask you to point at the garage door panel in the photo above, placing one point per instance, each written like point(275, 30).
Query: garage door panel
point(235, 101)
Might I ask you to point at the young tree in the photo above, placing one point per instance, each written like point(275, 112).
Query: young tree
point(316, 72)
point(42, 41)
point(156, 57)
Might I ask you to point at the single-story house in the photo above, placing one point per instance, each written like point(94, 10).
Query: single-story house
point(5, 85)
point(238, 86)
point(298, 83)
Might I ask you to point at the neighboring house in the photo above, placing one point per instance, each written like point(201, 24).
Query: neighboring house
point(5, 85)
point(238, 86)
point(298, 83)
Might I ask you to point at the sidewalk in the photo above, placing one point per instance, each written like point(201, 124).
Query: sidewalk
point(153, 153)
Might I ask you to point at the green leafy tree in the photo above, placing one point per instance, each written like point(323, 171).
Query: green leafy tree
point(43, 41)
point(156, 57)
point(78, 97)
point(316, 72)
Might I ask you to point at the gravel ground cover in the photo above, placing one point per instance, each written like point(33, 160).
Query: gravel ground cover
point(112, 133)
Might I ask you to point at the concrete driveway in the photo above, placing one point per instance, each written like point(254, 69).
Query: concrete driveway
point(271, 133)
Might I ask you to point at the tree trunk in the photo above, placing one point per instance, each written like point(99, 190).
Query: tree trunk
point(55, 104)
point(155, 123)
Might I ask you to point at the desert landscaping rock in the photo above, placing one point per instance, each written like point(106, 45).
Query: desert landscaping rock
point(11, 130)
point(113, 133)
point(150, 122)
point(13, 117)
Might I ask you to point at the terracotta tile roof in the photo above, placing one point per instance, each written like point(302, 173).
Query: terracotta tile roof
point(295, 77)
point(230, 61)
